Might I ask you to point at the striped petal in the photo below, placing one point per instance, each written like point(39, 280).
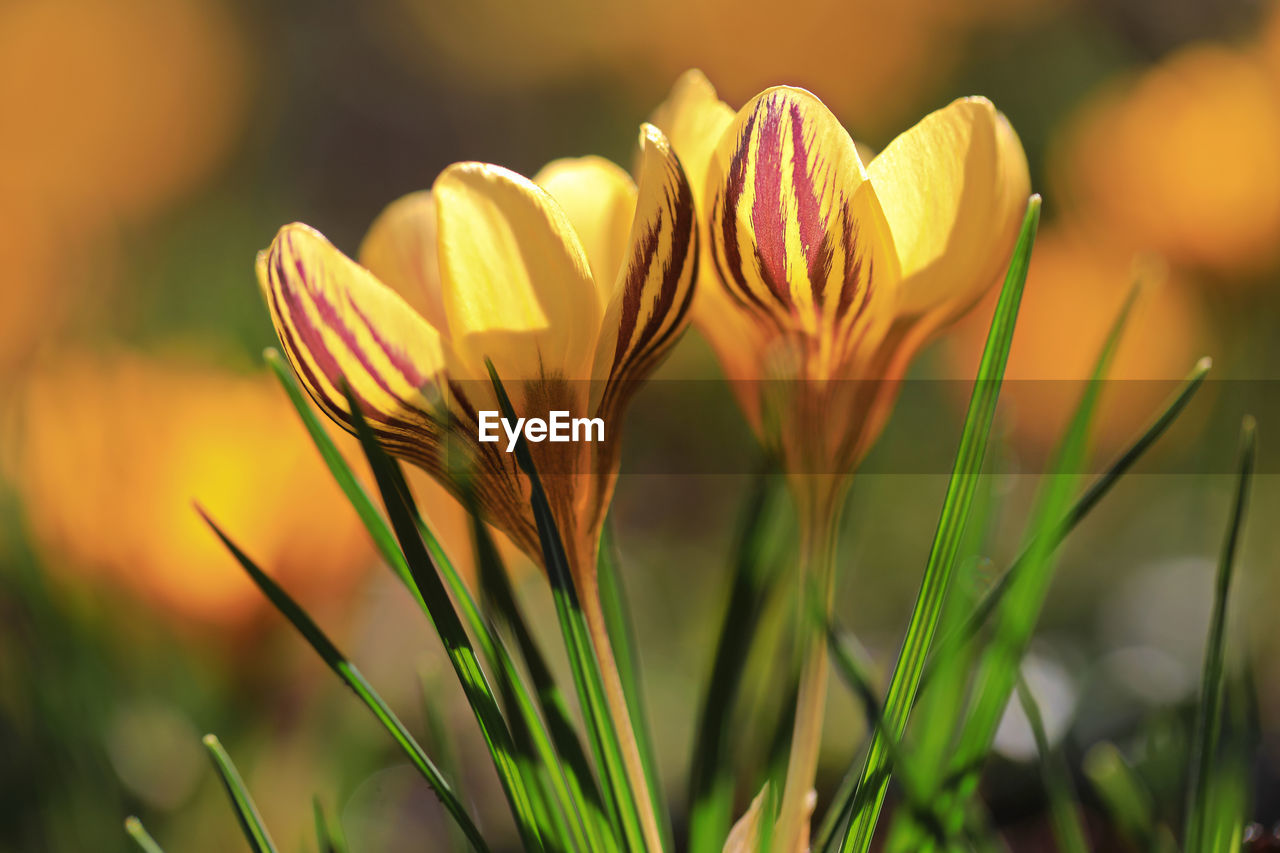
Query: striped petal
point(953, 188)
point(517, 282)
point(599, 198)
point(400, 249)
point(650, 303)
point(796, 229)
point(336, 321)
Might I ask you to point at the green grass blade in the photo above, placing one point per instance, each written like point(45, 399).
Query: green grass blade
point(1068, 828)
point(141, 837)
point(955, 511)
point(622, 635)
point(1209, 714)
point(528, 733)
point(1126, 799)
point(246, 812)
point(1016, 618)
point(591, 824)
point(440, 742)
point(712, 775)
point(433, 597)
point(582, 657)
point(532, 736)
point(352, 677)
point(329, 838)
point(1097, 490)
point(383, 539)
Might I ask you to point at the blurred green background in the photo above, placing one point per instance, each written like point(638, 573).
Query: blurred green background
point(152, 147)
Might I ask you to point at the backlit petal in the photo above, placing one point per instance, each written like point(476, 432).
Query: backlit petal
point(599, 198)
point(694, 119)
point(796, 229)
point(517, 283)
point(336, 321)
point(953, 188)
point(650, 303)
point(400, 249)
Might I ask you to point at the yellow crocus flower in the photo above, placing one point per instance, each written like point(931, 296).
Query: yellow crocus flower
point(825, 276)
point(574, 285)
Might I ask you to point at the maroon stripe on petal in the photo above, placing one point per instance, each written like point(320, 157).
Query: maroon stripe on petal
point(852, 262)
point(312, 342)
point(768, 219)
point(813, 232)
point(730, 196)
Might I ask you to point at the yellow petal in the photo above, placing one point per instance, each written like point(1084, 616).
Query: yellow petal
point(400, 249)
point(650, 303)
point(694, 119)
point(517, 283)
point(599, 198)
point(336, 321)
point(796, 229)
point(953, 188)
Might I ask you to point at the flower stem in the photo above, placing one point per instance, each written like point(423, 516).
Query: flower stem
point(819, 511)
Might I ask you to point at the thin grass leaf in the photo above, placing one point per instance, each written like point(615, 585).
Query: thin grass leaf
point(246, 812)
point(529, 736)
point(573, 769)
point(1127, 800)
point(141, 837)
point(1068, 828)
point(613, 598)
point(329, 839)
point(955, 512)
point(1097, 490)
point(712, 775)
point(440, 742)
point(587, 678)
point(353, 678)
point(1209, 713)
point(1016, 618)
point(432, 596)
point(546, 772)
point(1230, 787)
point(383, 539)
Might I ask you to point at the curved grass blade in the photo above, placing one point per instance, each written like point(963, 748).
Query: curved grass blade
point(546, 770)
point(622, 634)
point(383, 539)
point(353, 678)
point(1097, 490)
point(587, 678)
point(141, 837)
point(329, 840)
point(1127, 800)
point(1016, 618)
point(573, 770)
point(374, 521)
point(246, 812)
point(712, 776)
point(1068, 829)
point(955, 511)
point(440, 742)
point(1209, 713)
point(433, 598)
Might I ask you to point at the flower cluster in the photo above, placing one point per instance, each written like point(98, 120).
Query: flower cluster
point(819, 273)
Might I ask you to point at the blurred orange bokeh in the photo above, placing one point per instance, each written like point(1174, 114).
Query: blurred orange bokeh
point(1075, 291)
point(1182, 160)
point(868, 60)
point(113, 110)
point(116, 107)
point(113, 451)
